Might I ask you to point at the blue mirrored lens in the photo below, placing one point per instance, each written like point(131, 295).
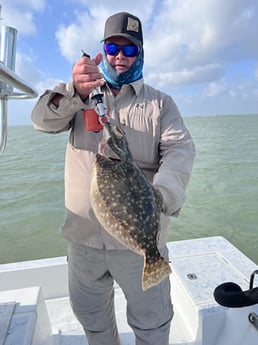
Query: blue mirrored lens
point(128, 50)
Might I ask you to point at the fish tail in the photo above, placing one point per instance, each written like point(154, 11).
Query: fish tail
point(154, 271)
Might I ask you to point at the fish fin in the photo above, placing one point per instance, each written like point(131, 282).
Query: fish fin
point(154, 272)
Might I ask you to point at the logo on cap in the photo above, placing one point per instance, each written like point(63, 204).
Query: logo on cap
point(132, 25)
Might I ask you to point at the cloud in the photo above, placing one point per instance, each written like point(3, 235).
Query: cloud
point(197, 74)
point(216, 89)
point(26, 70)
point(256, 72)
point(84, 32)
point(196, 51)
point(193, 35)
point(21, 14)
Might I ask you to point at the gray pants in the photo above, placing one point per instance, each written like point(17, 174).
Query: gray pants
point(91, 276)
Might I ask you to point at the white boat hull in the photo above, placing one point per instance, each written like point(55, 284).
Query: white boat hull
point(199, 266)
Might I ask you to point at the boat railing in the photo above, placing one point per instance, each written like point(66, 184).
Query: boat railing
point(11, 85)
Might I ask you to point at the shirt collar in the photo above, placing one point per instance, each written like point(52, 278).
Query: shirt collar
point(136, 86)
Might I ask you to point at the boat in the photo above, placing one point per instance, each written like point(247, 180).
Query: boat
point(35, 308)
point(213, 284)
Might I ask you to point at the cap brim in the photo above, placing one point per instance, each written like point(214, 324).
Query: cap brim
point(129, 37)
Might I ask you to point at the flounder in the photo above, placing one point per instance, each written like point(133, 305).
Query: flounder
point(126, 204)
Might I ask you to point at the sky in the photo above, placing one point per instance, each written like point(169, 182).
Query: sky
point(204, 53)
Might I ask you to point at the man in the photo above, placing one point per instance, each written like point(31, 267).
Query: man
point(163, 148)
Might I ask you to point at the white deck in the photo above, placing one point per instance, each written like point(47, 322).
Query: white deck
point(198, 267)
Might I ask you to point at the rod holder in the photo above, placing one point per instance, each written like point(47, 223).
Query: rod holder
point(8, 54)
point(9, 79)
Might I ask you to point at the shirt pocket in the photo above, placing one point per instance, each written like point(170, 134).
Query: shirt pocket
point(143, 133)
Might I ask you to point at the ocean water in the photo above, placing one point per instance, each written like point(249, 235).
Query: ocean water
point(222, 196)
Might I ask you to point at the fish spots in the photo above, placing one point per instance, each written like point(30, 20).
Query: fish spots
point(124, 203)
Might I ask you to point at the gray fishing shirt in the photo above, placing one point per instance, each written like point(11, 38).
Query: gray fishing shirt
point(158, 140)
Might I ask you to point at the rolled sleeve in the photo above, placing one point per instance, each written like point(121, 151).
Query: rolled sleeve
point(49, 118)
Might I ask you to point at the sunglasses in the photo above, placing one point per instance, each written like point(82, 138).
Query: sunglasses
point(128, 50)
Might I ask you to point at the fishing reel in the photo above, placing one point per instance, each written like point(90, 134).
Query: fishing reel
point(94, 119)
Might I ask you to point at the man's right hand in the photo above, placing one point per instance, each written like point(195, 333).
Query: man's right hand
point(86, 75)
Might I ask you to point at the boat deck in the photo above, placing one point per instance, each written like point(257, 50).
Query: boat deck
point(68, 331)
point(192, 263)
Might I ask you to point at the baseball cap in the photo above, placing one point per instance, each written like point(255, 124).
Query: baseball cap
point(126, 25)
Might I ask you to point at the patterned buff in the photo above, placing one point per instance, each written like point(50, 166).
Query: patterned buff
point(116, 79)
